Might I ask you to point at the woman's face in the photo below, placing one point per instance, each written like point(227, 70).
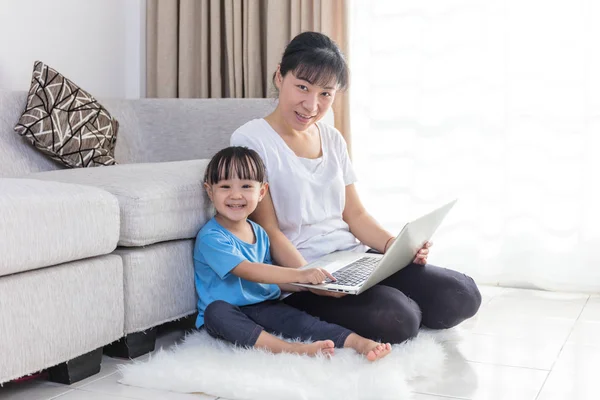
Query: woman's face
point(302, 103)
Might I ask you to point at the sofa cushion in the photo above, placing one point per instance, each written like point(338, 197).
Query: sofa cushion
point(158, 201)
point(52, 315)
point(158, 283)
point(48, 223)
point(65, 122)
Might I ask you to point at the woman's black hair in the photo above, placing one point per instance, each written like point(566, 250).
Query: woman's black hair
point(315, 58)
point(235, 162)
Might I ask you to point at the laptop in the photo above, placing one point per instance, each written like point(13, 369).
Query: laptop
point(357, 272)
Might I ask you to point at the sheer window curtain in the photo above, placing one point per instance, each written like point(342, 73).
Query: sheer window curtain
point(496, 103)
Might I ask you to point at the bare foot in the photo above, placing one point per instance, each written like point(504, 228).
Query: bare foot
point(274, 344)
point(375, 351)
point(325, 347)
point(371, 349)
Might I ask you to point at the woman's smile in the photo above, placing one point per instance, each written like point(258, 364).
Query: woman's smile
point(305, 119)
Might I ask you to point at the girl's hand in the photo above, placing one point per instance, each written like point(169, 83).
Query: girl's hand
point(422, 254)
point(314, 276)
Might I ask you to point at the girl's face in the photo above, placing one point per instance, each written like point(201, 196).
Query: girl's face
point(235, 199)
point(300, 102)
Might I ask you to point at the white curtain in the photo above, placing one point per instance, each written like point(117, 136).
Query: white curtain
point(496, 103)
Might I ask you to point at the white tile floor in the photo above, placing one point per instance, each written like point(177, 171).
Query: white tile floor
point(523, 344)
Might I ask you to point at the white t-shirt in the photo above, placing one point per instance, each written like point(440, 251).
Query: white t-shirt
point(308, 194)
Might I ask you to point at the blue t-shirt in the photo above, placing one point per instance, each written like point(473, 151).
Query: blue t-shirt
point(216, 253)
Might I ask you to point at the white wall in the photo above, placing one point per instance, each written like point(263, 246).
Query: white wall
point(98, 44)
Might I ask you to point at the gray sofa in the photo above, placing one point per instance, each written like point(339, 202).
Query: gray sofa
point(93, 256)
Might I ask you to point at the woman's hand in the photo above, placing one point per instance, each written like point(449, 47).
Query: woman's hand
point(422, 254)
point(314, 276)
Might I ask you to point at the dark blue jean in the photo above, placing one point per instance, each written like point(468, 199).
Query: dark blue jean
point(243, 325)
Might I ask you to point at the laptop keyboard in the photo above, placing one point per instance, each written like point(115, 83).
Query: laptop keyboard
point(355, 273)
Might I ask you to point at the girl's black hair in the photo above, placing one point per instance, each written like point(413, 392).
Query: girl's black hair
point(315, 58)
point(235, 162)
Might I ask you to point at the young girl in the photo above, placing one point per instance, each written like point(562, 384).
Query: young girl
point(237, 286)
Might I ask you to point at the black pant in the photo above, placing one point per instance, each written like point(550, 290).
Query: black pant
point(243, 325)
point(393, 310)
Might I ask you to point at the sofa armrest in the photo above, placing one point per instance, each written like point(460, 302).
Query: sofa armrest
point(48, 223)
point(157, 201)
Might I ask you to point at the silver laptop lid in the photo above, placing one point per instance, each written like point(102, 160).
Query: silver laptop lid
point(404, 249)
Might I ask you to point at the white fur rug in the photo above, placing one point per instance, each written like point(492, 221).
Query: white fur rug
point(203, 364)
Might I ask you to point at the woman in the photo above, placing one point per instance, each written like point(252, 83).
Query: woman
point(313, 208)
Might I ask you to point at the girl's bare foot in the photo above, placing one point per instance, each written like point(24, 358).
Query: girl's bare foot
point(325, 347)
point(274, 344)
point(371, 349)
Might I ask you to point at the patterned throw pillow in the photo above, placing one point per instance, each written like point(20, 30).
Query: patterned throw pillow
point(66, 123)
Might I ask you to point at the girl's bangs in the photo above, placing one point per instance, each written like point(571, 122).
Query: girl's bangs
point(243, 168)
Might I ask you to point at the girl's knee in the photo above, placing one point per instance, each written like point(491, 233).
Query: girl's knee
point(214, 314)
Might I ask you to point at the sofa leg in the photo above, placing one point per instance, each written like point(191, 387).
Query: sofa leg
point(77, 369)
point(132, 345)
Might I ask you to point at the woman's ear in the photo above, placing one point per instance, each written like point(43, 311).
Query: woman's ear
point(278, 77)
